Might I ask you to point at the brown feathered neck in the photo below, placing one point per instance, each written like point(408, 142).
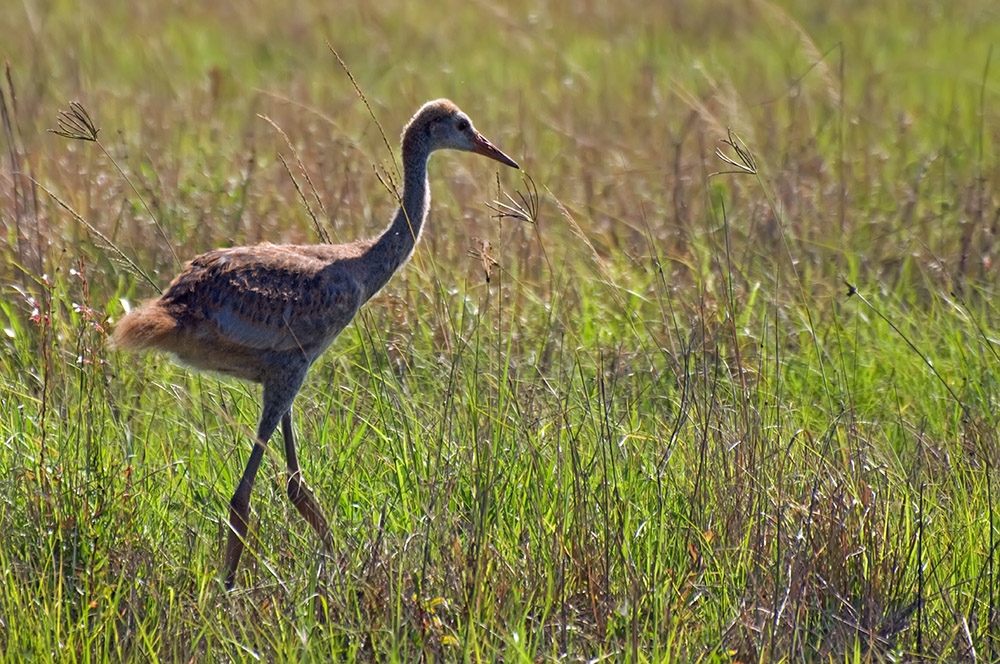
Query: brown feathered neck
point(393, 248)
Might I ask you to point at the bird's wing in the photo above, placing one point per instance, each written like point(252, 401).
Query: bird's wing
point(266, 297)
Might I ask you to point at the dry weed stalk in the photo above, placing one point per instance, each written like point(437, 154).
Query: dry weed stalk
point(77, 125)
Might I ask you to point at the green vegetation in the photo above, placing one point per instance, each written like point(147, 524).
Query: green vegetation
point(693, 411)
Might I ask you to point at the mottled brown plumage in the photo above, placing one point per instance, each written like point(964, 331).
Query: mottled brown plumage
point(266, 313)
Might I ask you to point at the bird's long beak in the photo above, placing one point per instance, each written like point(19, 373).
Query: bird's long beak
point(487, 149)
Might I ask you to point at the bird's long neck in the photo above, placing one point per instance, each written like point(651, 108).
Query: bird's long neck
point(393, 248)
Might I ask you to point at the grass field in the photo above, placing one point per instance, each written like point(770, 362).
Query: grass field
point(685, 408)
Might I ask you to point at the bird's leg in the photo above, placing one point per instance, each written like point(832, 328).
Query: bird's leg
point(239, 512)
point(277, 400)
point(298, 492)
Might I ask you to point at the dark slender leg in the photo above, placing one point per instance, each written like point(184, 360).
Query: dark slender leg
point(239, 514)
point(277, 397)
point(298, 492)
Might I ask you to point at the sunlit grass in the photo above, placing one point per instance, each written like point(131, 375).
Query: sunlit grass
point(667, 415)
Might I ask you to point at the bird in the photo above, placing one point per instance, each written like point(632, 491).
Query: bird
point(266, 313)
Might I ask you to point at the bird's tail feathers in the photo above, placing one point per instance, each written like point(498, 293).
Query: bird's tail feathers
point(148, 327)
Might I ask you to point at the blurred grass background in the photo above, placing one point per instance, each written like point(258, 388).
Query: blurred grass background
point(666, 427)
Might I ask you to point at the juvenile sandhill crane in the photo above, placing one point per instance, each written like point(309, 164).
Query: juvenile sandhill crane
point(266, 313)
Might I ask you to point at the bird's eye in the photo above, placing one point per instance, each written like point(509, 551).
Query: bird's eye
point(462, 125)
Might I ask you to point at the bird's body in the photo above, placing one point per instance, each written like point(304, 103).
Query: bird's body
point(265, 313)
point(246, 310)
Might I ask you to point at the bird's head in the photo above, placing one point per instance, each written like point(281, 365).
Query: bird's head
point(441, 125)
